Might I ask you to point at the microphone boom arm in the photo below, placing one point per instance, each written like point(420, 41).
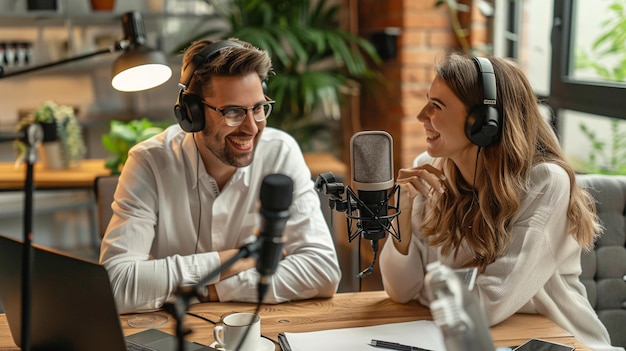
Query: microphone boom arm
point(184, 294)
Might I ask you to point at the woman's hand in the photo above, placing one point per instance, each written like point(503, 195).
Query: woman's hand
point(413, 181)
point(423, 179)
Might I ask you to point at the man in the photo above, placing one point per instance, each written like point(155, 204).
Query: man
point(188, 198)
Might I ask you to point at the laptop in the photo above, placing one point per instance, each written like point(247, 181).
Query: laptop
point(72, 304)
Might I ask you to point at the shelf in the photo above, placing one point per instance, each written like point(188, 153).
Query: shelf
point(57, 19)
point(49, 30)
point(55, 35)
point(74, 31)
point(79, 12)
point(85, 66)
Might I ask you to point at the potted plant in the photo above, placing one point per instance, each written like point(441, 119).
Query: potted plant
point(63, 145)
point(124, 135)
point(317, 64)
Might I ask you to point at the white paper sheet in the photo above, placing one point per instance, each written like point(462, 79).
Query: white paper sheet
point(424, 334)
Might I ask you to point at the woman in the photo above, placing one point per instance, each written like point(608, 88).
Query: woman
point(505, 201)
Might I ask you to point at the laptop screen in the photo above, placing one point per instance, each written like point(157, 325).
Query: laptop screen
point(72, 305)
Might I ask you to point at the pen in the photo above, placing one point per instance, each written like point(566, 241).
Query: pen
point(395, 346)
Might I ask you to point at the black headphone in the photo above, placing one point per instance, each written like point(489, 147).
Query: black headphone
point(189, 109)
point(483, 126)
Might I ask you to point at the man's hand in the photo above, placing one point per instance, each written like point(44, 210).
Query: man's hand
point(241, 265)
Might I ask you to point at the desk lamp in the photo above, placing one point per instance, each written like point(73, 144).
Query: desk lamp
point(137, 68)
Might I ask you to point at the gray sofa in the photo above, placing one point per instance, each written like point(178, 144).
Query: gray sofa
point(604, 268)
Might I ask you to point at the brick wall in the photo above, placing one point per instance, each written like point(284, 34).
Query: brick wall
point(426, 32)
point(392, 106)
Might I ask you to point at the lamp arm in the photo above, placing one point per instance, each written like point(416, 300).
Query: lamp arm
point(118, 46)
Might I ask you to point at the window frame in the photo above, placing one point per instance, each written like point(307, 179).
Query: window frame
point(600, 98)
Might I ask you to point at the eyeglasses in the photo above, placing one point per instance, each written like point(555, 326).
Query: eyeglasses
point(235, 115)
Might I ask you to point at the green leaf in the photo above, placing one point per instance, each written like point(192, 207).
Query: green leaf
point(124, 135)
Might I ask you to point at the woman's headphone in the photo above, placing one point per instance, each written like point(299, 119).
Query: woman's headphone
point(483, 126)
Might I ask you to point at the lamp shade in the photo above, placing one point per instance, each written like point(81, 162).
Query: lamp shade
point(140, 68)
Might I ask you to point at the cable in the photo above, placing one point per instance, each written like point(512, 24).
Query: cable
point(201, 317)
point(474, 180)
point(359, 263)
point(198, 191)
point(332, 222)
point(474, 195)
point(370, 269)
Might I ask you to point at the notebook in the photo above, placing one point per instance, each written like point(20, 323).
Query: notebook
point(72, 304)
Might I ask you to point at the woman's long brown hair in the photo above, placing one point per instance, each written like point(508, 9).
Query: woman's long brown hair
point(526, 140)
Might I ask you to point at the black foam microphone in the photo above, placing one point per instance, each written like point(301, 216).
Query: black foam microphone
point(45, 132)
point(276, 196)
point(373, 178)
point(11, 136)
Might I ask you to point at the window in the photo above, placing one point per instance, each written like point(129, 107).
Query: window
point(523, 33)
point(587, 90)
point(575, 25)
point(583, 76)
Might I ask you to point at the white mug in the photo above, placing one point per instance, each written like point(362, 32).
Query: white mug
point(232, 328)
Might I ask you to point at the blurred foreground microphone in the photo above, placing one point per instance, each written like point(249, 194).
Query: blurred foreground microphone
point(276, 196)
point(456, 311)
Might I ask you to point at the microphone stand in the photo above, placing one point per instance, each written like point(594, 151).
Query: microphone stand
point(31, 136)
point(371, 226)
point(179, 308)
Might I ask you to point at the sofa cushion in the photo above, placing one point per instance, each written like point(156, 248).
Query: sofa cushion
point(604, 268)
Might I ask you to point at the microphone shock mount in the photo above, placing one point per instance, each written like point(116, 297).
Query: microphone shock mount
point(371, 224)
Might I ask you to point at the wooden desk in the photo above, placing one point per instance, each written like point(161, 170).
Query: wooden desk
point(12, 179)
point(342, 311)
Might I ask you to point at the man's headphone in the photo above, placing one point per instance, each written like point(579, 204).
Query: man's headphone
point(483, 126)
point(189, 109)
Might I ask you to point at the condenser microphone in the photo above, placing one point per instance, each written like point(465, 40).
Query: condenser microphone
point(373, 178)
point(276, 196)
